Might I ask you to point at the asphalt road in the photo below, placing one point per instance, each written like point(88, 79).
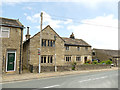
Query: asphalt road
point(104, 79)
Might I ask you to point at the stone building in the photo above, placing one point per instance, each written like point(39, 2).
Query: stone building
point(64, 51)
point(11, 34)
point(106, 54)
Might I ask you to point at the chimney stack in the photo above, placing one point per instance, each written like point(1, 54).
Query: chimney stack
point(72, 36)
point(27, 35)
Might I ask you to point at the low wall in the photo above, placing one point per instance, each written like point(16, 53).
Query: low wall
point(64, 68)
point(91, 67)
point(35, 69)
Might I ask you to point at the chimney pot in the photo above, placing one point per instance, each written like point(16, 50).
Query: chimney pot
point(27, 35)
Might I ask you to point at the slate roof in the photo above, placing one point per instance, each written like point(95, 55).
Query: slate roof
point(10, 22)
point(75, 42)
point(113, 53)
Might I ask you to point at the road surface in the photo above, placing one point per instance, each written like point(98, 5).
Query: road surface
point(104, 79)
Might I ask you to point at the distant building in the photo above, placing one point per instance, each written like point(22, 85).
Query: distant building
point(11, 34)
point(67, 50)
point(106, 54)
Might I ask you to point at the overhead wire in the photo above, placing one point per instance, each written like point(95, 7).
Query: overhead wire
point(75, 20)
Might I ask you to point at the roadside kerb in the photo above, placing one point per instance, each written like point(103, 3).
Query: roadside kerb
point(30, 76)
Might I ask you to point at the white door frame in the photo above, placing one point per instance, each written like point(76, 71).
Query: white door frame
point(11, 51)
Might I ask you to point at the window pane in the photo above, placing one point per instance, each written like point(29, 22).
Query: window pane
point(66, 58)
point(67, 47)
point(44, 59)
point(51, 59)
point(51, 43)
point(78, 48)
point(48, 59)
point(42, 42)
point(5, 32)
point(48, 42)
point(78, 58)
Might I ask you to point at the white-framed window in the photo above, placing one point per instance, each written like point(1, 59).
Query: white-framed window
point(50, 59)
point(67, 58)
point(43, 59)
point(78, 58)
point(4, 32)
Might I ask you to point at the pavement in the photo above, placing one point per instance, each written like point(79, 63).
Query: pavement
point(30, 76)
point(94, 79)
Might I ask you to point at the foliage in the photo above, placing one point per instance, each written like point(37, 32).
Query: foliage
point(102, 62)
point(88, 62)
point(73, 68)
point(95, 62)
point(73, 65)
point(108, 62)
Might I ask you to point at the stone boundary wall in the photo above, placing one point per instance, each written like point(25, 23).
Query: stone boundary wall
point(34, 69)
point(91, 67)
point(64, 68)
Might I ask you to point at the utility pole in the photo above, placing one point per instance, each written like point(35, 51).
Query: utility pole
point(40, 42)
point(55, 54)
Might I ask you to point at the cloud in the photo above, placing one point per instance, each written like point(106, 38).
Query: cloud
point(47, 20)
point(25, 14)
point(34, 19)
point(68, 21)
point(100, 32)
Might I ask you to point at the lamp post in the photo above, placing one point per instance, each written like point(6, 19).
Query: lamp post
point(55, 53)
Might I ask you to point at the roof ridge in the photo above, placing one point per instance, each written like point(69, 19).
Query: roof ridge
point(44, 29)
point(8, 18)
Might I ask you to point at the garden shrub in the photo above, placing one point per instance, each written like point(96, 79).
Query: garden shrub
point(95, 62)
point(88, 61)
point(73, 65)
point(108, 62)
point(102, 62)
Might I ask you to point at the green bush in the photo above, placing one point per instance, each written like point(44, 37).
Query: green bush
point(102, 62)
point(73, 68)
point(88, 61)
point(95, 62)
point(108, 62)
point(73, 65)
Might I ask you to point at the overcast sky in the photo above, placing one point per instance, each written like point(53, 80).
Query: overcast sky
point(95, 21)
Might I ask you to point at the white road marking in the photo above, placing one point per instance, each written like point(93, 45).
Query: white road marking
point(51, 86)
point(93, 79)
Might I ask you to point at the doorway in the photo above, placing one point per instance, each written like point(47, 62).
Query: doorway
point(11, 60)
point(85, 59)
